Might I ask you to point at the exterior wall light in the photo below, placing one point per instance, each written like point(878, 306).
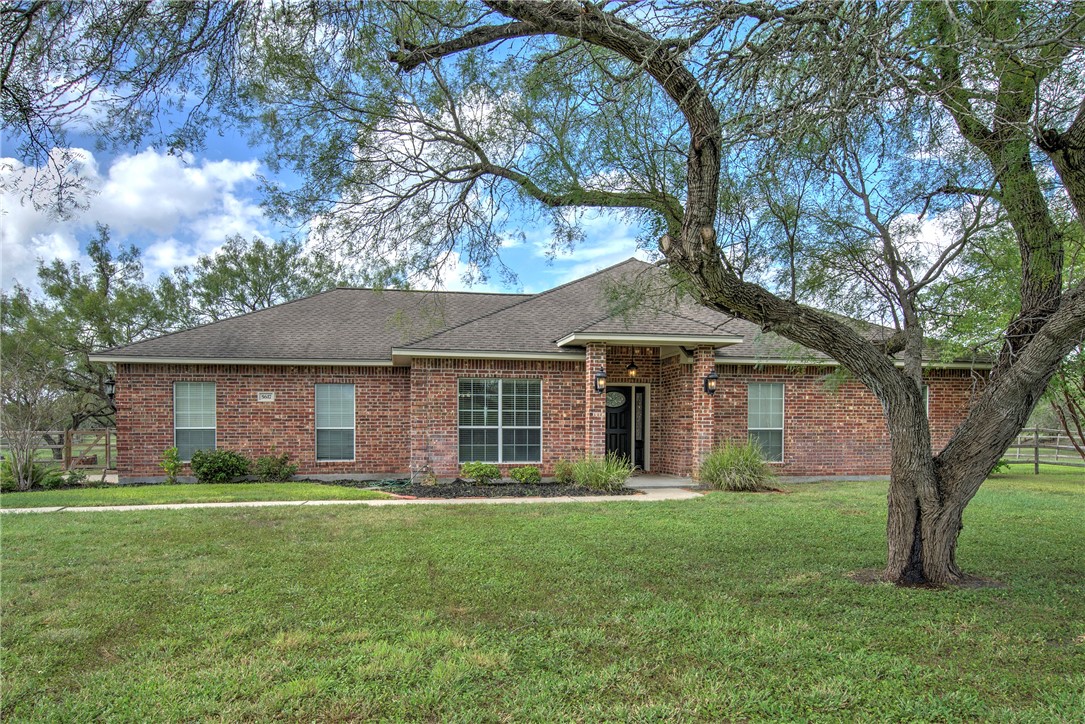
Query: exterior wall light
point(631, 370)
point(109, 386)
point(601, 381)
point(710, 381)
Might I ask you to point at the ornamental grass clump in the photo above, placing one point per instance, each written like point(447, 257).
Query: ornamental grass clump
point(737, 467)
point(605, 474)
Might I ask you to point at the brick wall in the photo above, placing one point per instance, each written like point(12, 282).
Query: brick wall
point(144, 399)
point(835, 429)
point(672, 451)
point(406, 417)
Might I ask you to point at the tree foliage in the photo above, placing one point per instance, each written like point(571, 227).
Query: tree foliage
point(244, 276)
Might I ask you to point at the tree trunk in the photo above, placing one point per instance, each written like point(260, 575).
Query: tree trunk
point(922, 537)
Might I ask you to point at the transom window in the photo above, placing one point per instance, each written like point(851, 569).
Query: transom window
point(193, 417)
point(500, 421)
point(334, 422)
point(765, 418)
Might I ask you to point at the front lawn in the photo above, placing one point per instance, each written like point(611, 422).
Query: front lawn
point(184, 493)
point(729, 607)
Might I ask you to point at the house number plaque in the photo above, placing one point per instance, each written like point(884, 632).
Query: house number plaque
point(265, 397)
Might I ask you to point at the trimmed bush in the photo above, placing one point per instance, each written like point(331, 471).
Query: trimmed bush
point(527, 475)
point(737, 466)
point(481, 473)
point(274, 468)
point(604, 474)
point(218, 466)
point(171, 464)
point(563, 472)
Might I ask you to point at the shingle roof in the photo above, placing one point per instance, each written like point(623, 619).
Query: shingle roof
point(338, 325)
point(365, 326)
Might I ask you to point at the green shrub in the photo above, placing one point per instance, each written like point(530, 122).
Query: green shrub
point(218, 466)
point(481, 473)
point(737, 466)
point(563, 472)
point(171, 464)
point(528, 475)
point(41, 476)
point(604, 474)
point(274, 468)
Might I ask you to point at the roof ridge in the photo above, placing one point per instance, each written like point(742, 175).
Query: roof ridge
point(219, 321)
point(425, 291)
point(524, 301)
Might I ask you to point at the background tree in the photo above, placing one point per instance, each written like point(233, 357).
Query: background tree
point(246, 275)
point(80, 311)
point(30, 401)
point(512, 109)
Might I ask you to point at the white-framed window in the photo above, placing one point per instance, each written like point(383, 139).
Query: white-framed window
point(500, 421)
point(927, 400)
point(193, 417)
point(765, 418)
point(334, 422)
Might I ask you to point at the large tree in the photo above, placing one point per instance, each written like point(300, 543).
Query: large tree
point(81, 310)
point(245, 275)
point(424, 129)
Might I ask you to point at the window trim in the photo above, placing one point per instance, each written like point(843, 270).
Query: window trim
point(354, 429)
point(500, 426)
point(783, 420)
point(214, 411)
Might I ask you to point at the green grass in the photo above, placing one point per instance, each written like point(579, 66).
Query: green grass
point(734, 607)
point(152, 494)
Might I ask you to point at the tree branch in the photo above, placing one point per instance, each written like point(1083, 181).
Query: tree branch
point(409, 56)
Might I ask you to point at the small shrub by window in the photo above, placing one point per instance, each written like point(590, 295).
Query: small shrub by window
point(528, 475)
point(605, 474)
point(738, 467)
point(218, 466)
point(171, 464)
point(274, 468)
point(481, 473)
point(563, 472)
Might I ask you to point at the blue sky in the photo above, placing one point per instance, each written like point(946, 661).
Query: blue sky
point(176, 208)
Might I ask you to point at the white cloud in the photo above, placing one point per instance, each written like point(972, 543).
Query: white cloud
point(174, 207)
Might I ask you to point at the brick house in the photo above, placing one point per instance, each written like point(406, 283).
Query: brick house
point(358, 382)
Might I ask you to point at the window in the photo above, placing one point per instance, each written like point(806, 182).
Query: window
point(334, 422)
point(193, 417)
point(500, 421)
point(927, 400)
point(765, 418)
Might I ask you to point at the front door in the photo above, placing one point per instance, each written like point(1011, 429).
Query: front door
point(619, 419)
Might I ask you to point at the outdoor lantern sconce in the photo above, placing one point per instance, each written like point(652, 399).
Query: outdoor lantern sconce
point(631, 370)
point(600, 381)
point(110, 389)
point(710, 381)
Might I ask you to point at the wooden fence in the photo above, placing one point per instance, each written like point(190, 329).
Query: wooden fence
point(93, 448)
point(1044, 445)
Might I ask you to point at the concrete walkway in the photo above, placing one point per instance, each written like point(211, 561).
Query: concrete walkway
point(649, 496)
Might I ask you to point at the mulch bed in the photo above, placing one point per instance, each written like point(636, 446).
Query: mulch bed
point(464, 489)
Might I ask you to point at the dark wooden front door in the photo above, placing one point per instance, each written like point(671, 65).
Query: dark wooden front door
point(619, 419)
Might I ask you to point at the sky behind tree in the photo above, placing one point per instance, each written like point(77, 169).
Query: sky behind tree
point(178, 207)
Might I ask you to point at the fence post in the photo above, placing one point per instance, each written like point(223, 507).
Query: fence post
point(108, 449)
point(68, 449)
point(1036, 450)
